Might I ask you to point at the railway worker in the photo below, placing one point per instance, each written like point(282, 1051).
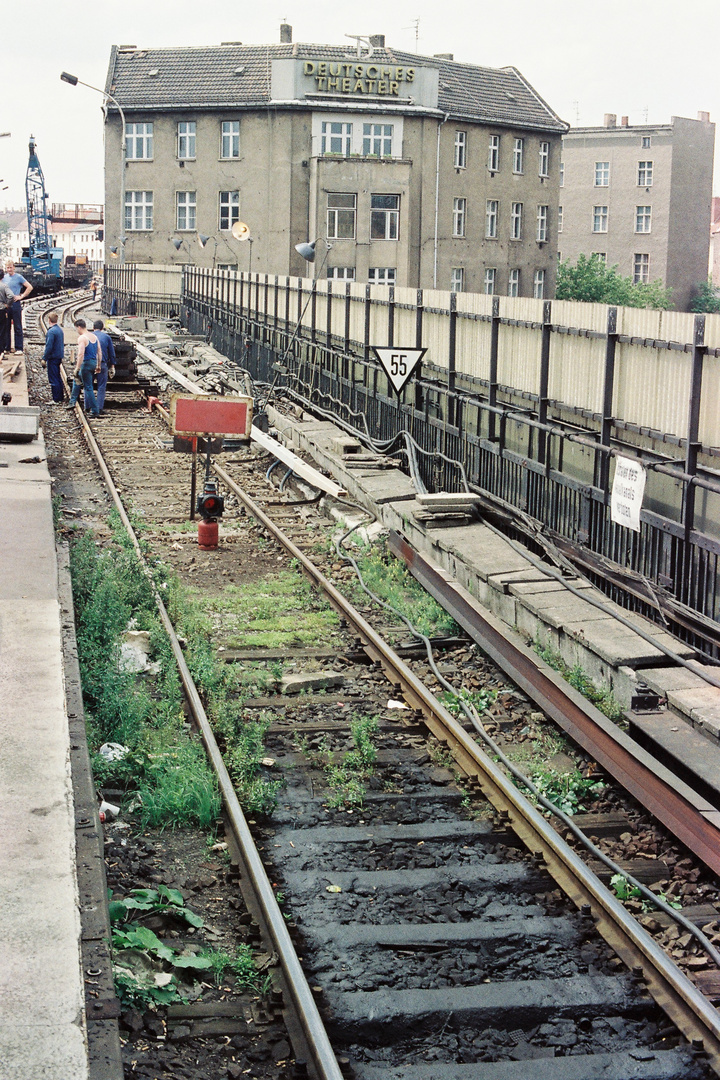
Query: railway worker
point(108, 361)
point(7, 299)
point(21, 287)
point(53, 356)
point(87, 363)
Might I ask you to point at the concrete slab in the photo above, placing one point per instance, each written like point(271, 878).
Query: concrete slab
point(661, 680)
point(696, 699)
point(506, 578)
point(563, 609)
point(613, 643)
point(676, 743)
point(41, 986)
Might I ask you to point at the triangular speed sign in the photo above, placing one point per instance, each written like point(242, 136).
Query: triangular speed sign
point(399, 363)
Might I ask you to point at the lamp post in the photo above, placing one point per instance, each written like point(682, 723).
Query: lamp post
point(73, 80)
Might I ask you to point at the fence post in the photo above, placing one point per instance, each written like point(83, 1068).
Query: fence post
point(544, 380)
point(348, 302)
point(693, 428)
point(328, 313)
point(493, 373)
point(602, 460)
point(391, 316)
point(367, 321)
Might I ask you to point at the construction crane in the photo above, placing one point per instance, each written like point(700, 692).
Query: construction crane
point(41, 262)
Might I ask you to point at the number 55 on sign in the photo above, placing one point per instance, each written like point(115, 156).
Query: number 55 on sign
point(399, 364)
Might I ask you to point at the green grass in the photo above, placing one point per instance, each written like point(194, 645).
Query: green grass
point(346, 778)
point(602, 699)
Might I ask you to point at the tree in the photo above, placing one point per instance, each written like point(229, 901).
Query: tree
point(707, 298)
point(595, 283)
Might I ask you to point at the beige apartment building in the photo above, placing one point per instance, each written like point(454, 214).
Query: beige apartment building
point(640, 197)
point(414, 170)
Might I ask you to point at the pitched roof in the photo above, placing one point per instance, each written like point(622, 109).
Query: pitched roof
point(239, 76)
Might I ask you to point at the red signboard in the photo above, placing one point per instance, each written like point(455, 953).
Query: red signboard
point(211, 414)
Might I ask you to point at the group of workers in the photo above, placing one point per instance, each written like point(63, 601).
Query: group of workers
point(95, 357)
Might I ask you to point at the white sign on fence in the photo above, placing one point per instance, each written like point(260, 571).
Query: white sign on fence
point(399, 363)
point(627, 493)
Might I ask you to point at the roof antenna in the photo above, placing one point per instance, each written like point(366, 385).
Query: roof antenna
point(415, 24)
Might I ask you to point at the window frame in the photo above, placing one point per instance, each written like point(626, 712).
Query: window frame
point(383, 138)
point(186, 139)
point(518, 156)
point(541, 219)
point(459, 216)
point(489, 280)
point(231, 205)
point(493, 158)
point(642, 277)
point(544, 159)
point(389, 272)
point(233, 138)
point(390, 216)
point(645, 168)
point(645, 142)
point(643, 216)
point(133, 205)
point(332, 221)
point(602, 174)
point(334, 274)
point(560, 219)
point(144, 138)
point(600, 217)
point(457, 279)
point(189, 206)
point(492, 218)
point(539, 281)
point(514, 281)
point(345, 136)
point(516, 221)
point(460, 150)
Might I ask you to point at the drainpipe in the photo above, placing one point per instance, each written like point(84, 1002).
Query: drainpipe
point(437, 200)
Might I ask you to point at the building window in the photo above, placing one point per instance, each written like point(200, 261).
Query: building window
point(516, 221)
point(494, 153)
point(601, 255)
point(138, 142)
point(457, 279)
point(600, 219)
point(377, 140)
point(539, 284)
point(645, 142)
point(138, 210)
point(460, 149)
point(641, 269)
point(562, 174)
point(542, 224)
point(186, 202)
point(514, 283)
point(384, 217)
point(602, 174)
point(643, 215)
point(560, 219)
point(381, 275)
point(229, 209)
point(341, 215)
point(645, 173)
point(459, 210)
point(186, 140)
point(489, 282)
point(518, 147)
point(341, 273)
point(230, 139)
point(544, 159)
point(491, 219)
point(336, 138)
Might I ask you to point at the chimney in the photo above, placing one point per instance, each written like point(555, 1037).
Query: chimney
point(704, 116)
point(285, 33)
point(624, 121)
point(610, 119)
point(377, 41)
point(444, 56)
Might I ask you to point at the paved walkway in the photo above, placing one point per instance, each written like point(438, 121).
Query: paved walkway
point(42, 1033)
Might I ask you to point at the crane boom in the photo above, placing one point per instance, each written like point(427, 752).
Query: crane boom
point(41, 261)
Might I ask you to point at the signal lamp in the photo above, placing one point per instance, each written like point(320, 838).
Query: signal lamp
point(210, 504)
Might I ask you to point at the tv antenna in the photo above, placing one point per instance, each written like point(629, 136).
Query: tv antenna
point(414, 25)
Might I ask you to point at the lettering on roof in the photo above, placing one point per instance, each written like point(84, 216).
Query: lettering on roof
point(295, 80)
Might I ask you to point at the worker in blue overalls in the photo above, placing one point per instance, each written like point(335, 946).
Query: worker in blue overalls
point(21, 287)
point(53, 356)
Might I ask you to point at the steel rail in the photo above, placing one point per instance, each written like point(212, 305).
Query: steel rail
point(676, 994)
point(313, 1029)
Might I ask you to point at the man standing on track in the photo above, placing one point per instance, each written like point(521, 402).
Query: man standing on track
point(88, 362)
point(7, 299)
point(108, 361)
point(53, 356)
point(21, 287)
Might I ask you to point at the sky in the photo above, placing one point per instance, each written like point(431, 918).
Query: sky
point(645, 61)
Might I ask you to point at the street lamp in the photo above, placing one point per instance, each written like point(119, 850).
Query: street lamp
point(73, 80)
point(307, 250)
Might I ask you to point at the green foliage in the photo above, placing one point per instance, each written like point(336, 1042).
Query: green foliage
point(592, 281)
point(240, 963)
point(707, 298)
point(479, 699)
point(604, 700)
point(257, 794)
point(625, 891)
point(569, 791)
point(393, 583)
point(346, 779)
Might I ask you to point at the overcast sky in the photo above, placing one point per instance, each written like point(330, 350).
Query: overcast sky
point(645, 61)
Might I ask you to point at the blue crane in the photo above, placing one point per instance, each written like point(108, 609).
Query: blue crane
point(41, 262)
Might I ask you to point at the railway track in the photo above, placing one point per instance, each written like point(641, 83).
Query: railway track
point(432, 938)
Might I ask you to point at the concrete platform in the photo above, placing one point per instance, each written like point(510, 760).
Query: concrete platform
point(42, 1027)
